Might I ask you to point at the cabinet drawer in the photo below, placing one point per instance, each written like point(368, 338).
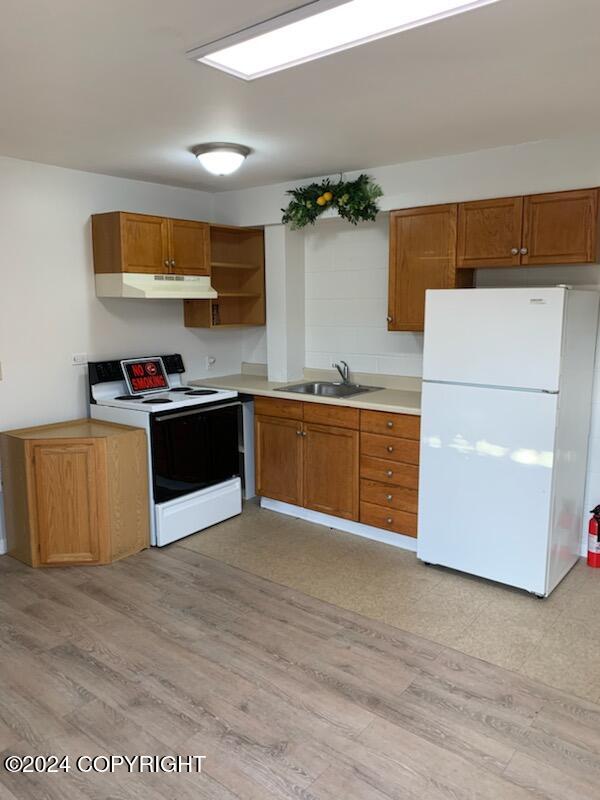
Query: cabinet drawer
point(323, 414)
point(274, 407)
point(376, 469)
point(393, 497)
point(407, 426)
point(390, 447)
point(389, 519)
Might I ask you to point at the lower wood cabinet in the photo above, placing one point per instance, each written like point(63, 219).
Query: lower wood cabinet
point(75, 492)
point(278, 456)
point(306, 464)
point(338, 461)
point(331, 470)
point(389, 471)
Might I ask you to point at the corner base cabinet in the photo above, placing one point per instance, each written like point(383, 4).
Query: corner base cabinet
point(75, 493)
point(348, 463)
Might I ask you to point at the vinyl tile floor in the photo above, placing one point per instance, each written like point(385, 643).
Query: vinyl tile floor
point(556, 640)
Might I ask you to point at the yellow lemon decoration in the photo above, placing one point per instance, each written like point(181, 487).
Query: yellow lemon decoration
point(321, 200)
point(328, 197)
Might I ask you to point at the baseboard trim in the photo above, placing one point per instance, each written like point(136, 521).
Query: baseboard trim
point(346, 525)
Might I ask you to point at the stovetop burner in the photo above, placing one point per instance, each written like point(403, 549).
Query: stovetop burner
point(197, 392)
point(126, 397)
point(158, 400)
point(180, 389)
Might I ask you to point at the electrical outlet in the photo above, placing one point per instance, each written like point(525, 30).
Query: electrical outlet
point(209, 362)
point(79, 359)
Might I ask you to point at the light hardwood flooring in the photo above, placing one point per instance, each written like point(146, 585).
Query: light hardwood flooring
point(288, 696)
point(556, 640)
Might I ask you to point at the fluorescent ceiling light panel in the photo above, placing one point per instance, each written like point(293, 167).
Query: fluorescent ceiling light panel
point(287, 41)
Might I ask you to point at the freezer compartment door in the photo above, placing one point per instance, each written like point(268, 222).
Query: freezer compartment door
point(485, 482)
point(494, 337)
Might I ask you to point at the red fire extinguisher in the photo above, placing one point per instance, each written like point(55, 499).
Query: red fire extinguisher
point(593, 558)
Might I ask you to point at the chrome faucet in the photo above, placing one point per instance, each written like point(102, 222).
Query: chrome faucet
point(344, 371)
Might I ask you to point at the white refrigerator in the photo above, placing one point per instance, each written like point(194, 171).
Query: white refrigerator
point(507, 385)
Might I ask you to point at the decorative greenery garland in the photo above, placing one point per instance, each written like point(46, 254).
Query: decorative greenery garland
point(354, 200)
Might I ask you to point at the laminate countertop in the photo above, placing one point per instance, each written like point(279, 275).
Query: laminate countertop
point(402, 401)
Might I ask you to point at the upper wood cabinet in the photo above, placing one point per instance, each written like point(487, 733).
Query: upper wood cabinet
point(141, 243)
point(76, 492)
point(539, 229)
point(489, 233)
point(422, 256)
point(189, 245)
point(560, 228)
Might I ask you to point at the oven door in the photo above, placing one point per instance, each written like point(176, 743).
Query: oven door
point(194, 448)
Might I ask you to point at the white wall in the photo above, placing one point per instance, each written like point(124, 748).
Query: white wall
point(48, 309)
point(542, 166)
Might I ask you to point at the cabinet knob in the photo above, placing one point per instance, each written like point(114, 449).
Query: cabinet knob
point(167, 262)
point(523, 251)
point(390, 424)
point(390, 449)
point(389, 473)
point(389, 319)
point(298, 433)
point(303, 433)
point(389, 497)
point(514, 251)
point(389, 520)
point(172, 262)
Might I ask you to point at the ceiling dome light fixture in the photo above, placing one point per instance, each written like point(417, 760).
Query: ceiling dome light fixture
point(221, 158)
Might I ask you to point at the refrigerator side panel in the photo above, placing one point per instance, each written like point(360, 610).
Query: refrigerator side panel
point(494, 337)
point(486, 481)
point(574, 410)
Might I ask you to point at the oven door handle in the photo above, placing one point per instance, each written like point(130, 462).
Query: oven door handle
point(196, 411)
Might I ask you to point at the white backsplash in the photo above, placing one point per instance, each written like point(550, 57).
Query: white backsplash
point(346, 301)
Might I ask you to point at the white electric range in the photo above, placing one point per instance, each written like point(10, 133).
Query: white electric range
point(194, 440)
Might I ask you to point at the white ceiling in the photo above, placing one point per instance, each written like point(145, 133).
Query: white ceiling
point(104, 86)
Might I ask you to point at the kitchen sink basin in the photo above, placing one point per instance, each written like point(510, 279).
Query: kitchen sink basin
point(328, 389)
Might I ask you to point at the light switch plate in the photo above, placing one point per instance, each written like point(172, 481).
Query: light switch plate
point(79, 359)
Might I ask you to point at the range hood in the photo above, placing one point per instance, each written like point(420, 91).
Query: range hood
point(154, 287)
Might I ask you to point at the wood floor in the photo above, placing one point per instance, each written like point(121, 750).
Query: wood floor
point(172, 652)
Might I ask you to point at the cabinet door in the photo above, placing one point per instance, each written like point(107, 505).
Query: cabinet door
point(68, 491)
point(561, 228)
point(422, 256)
point(489, 233)
point(331, 477)
point(144, 244)
point(278, 453)
point(189, 247)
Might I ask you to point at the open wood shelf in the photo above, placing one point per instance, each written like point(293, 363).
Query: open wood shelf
point(238, 276)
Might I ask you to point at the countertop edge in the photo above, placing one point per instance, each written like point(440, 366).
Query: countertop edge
point(229, 382)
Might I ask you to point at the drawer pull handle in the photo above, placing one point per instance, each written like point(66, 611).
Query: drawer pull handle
point(389, 473)
point(389, 520)
point(390, 449)
point(390, 424)
point(389, 497)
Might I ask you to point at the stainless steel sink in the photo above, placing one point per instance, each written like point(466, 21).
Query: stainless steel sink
point(328, 389)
